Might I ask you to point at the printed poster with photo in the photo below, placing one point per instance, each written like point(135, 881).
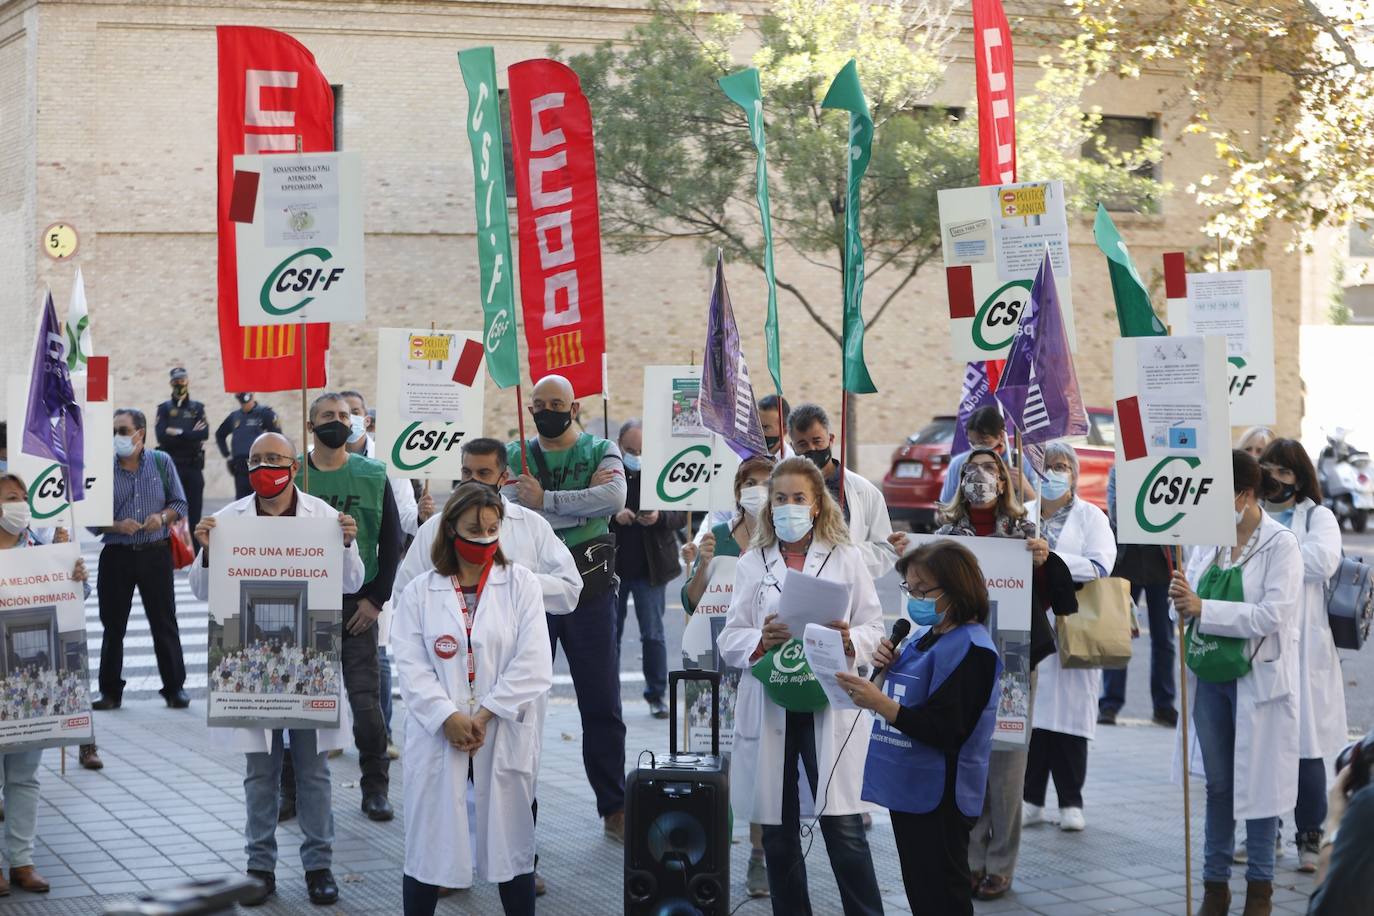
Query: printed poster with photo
point(44, 693)
point(699, 652)
point(276, 609)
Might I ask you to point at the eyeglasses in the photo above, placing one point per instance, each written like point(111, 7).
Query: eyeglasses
point(1062, 468)
point(914, 593)
point(257, 461)
point(985, 467)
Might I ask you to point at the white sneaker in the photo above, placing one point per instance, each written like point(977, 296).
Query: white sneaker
point(1071, 819)
point(1032, 814)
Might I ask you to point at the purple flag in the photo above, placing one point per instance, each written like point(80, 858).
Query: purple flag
point(52, 426)
point(727, 397)
point(977, 393)
point(1039, 388)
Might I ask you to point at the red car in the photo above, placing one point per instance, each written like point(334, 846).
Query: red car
point(913, 483)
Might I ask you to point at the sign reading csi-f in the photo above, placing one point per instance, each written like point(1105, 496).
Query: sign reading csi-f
point(684, 466)
point(1173, 448)
point(430, 393)
point(299, 236)
point(43, 477)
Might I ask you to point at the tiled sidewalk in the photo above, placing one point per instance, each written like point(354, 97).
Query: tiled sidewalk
point(167, 808)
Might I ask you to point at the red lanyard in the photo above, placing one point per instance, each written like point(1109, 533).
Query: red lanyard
point(470, 616)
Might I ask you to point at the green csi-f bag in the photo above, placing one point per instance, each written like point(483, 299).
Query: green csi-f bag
point(1218, 659)
point(788, 680)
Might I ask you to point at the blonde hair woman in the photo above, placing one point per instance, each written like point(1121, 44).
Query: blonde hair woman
point(801, 532)
point(1255, 440)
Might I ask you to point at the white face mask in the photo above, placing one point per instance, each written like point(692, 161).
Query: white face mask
point(792, 522)
point(359, 424)
point(753, 499)
point(16, 517)
point(124, 446)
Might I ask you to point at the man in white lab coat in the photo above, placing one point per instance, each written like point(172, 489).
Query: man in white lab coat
point(271, 468)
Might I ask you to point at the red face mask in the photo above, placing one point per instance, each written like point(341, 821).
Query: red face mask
point(269, 482)
point(476, 552)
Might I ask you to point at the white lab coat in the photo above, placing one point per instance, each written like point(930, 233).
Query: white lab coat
point(1265, 774)
point(1066, 699)
point(510, 644)
point(259, 740)
point(1321, 694)
point(869, 523)
point(760, 724)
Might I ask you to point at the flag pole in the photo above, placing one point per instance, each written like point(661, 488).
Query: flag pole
point(520, 419)
point(1186, 752)
point(844, 426)
point(305, 363)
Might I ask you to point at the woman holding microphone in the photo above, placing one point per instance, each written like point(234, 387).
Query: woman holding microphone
point(929, 752)
point(472, 652)
point(804, 532)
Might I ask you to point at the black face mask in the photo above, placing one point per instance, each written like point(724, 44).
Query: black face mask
point(333, 434)
point(552, 423)
point(772, 443)
point(820, 457)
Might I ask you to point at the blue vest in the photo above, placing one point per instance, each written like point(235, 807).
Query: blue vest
point(905, 775)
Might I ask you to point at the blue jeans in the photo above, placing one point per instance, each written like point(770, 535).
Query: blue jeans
point(1214, 717)
point(1161, 656)
point(384, 682)
point(650, 601)
point(1310, 813)
point(19, 778)
point(262, 797)
point(845, 841)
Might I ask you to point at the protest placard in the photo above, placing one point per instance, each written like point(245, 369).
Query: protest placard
point(685, 467)
point(43, 477)
point(1006, 566)
point(699, 651)
point(1237, 305)
point(994, 238)
point(1173, 447)
point(298, 228)
point(430, 395)
point(44, 698)
point(276, 600)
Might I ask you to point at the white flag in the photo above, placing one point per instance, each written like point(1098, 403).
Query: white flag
point(78, 328)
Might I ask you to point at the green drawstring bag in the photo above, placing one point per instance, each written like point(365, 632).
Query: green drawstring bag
point(1218, 659)
point(788, 680)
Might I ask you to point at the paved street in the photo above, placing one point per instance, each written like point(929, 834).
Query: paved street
point(166, 809)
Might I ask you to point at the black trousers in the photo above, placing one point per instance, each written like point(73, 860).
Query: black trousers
point(193, 483)
point(933, 851)
point(1064, 756)
point(360, 672)
point(122, 569)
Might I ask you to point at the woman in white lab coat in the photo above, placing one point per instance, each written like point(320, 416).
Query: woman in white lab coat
point(473, 657)
point(804, 531)
point(1293, 498)
point(1065, 713)
point(1246, 727)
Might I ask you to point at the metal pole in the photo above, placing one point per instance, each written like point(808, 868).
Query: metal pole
point(1186, 755)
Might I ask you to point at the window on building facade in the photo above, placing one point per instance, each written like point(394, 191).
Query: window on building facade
point(337, 90)
point(1360, 299)
point(953, 112)
point(1124, 135)
point(1361, 241)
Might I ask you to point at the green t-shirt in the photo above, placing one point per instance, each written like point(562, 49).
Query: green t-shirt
point(357, 489)
point(569, 469)
point(726, 546)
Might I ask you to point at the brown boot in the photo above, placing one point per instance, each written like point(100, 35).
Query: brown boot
point(89, 758)
point(1216, 898)
point(1258, 900)
point(27, 878)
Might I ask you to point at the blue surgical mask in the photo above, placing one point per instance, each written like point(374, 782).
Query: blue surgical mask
point(922, 611)
point(1055, 485)
point(358, 428)
point(124, 446)
point(792, 522)
point(631, 462)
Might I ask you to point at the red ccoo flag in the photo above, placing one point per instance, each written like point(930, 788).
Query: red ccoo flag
point(271, 95)
point(994, 65)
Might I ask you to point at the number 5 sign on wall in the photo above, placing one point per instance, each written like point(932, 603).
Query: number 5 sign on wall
point(59, 241)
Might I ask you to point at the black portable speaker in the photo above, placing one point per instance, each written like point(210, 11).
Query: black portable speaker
point(677, 824)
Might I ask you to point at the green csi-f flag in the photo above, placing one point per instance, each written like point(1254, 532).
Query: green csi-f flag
point(1133, 310)
point(845, 93)
point(743, 89)
point(493, 229)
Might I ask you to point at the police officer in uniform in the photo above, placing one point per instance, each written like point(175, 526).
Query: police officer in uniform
point(244, 426)
point(181, 432)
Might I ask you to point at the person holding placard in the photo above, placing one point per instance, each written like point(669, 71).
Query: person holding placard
point(473, 656)
point(781, 725)
point(19, 770)
point(1243, 607)
point(271, 467)
point(985, 428)
point(928, 754)
point(1293, 497)
point(1065, 704)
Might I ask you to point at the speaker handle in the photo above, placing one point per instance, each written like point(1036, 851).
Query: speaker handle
point(694, 674)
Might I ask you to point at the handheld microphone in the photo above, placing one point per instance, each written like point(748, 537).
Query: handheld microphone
point(899, 631)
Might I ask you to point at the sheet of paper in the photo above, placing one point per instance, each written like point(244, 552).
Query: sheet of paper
point(1218, 305)
point(1030, 217)
point(1173, 396)
point(824, 649)
point(301, 195)
point(807, 599)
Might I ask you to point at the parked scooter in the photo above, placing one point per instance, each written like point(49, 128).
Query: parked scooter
point(1346, 475)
